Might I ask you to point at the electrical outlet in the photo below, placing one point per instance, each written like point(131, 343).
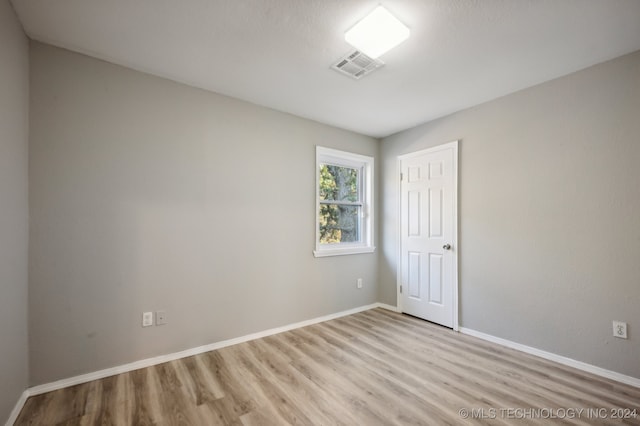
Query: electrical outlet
point(359, 283)
point(161, 317)
point(620, 329)
point(147, 319)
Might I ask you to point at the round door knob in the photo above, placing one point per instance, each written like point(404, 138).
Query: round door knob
point(447, 246)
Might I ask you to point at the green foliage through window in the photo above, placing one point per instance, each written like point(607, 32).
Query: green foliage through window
point(340, 204)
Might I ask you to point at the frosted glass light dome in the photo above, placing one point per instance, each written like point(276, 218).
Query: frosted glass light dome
point(377, 33)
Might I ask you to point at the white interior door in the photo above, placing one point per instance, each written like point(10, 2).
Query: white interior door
point(428, 254)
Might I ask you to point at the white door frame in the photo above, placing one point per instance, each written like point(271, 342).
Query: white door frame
point(454, 243)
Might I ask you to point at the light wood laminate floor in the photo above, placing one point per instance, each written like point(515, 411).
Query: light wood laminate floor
point(371, 368)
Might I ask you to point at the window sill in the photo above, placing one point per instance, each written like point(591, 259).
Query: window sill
point(343, 251)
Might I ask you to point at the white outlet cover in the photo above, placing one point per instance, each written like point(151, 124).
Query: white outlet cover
point(620, 329)
point(147, 319)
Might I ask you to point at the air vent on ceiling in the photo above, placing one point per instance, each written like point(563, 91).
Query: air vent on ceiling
point(356, 64)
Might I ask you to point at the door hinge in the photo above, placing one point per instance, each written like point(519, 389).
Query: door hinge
point(401, 177)
point(400, 289)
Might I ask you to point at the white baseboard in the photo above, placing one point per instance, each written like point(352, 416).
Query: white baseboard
point(18, 407)
point(598, 371)
point(387, 307)
point(84, 378)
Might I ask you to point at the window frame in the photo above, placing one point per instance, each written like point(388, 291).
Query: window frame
point(365, 165)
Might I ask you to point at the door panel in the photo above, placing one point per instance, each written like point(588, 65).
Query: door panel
point(435, 212)
point(435, 278)
point(413, 208)
point(414, 278)
point(428, 224)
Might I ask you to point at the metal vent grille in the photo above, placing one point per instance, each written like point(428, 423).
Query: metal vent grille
point(356, 64)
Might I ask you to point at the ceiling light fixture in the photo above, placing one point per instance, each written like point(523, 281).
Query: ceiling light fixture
point(377, 33)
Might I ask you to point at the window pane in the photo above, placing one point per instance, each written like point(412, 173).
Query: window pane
point(339, 223)
point(338, 183)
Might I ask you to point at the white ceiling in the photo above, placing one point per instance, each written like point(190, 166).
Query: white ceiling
point(277, 53)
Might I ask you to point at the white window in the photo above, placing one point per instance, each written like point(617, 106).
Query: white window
point(344, 203)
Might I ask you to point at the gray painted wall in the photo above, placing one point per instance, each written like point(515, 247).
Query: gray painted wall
point(14, 214)
point(549, 192)
point(147, 194)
